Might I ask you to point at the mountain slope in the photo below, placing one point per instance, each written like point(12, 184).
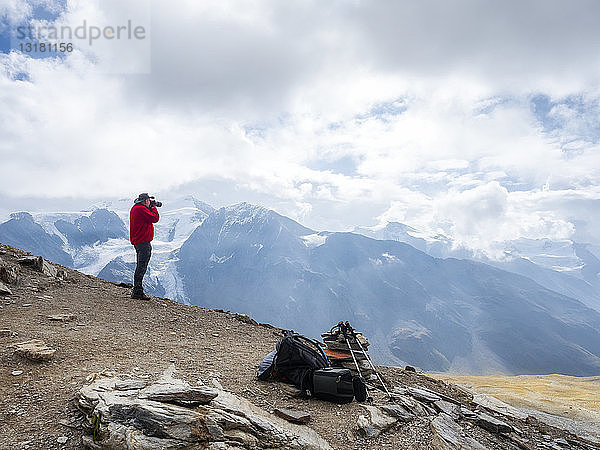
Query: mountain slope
point(439, 314)
point(564, 266)
point(23, 232)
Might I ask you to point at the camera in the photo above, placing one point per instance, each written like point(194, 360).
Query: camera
point(155, 203)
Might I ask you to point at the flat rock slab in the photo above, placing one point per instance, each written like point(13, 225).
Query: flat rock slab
point(412, 405)
point(492, 424)
point(130, 419)
point(448, 435)
point(468, 414)
point(449, 408)
point(35, 350)
point(399, 412)
point(173, 390)
point(292, 415)
point(424, 395)
point(498, 406)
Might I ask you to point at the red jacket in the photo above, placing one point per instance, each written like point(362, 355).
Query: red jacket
point(140, 223)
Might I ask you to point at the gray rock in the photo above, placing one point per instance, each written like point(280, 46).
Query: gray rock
point(424, 395)
point(292, 415)
point(468, 414)
point(375, 424)
point(128, 385)
point(131, 419)
point(410, 404)
point(9, 273)
point(35, 350)
point(62, 439)
point(173, 390)
point(492, 424)
point(4, 290)
point(39, 264)
point(399, 412)
point(16, 373)
point(448, 435)
point(562, 442)
point(498, 406)
point(49, 269)
point(5, 332)
point(448, 408)
point(61, 317)
point(29, 260)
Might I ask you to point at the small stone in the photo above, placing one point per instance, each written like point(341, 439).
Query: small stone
point(61, 317)
point(26, 305)
point(377, 423)
point(410, 369)
point(292, 415)
point(4, 290)
point(35, 350)
point(16, 373)
point(62, 440)
point(4, 332)
point(215, 334)
point(9, 274)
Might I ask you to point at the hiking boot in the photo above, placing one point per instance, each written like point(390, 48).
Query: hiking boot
point(140, 296)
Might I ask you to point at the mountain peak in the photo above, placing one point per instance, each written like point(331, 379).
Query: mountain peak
point(22, 215)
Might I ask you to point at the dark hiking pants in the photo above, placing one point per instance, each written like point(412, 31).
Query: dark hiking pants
point(143, 250)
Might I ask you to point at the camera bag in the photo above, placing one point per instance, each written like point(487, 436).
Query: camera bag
point(333, 384)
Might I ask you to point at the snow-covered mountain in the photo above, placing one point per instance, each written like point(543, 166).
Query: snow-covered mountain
point(437, 313)
point(565, 266)
point(96, 241)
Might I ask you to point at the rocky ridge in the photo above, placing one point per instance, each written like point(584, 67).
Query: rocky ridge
point(158, 357)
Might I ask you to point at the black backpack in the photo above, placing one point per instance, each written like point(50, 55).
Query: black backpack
point(296, 358)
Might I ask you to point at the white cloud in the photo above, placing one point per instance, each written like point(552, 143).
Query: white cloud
point(338, 115)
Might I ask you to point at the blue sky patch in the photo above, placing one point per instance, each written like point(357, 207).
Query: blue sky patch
point(384, 110)
point(572, 119)
point(9, 32)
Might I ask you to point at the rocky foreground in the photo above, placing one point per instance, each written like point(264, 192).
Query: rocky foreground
point(83, 365)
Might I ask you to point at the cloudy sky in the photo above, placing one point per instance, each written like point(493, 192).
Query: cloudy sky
point(476, 119)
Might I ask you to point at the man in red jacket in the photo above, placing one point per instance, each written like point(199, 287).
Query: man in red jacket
point(142, 216)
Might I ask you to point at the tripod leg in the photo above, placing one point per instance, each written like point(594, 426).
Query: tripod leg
point(372, 365)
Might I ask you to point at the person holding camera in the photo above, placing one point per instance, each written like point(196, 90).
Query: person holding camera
point(142, 217)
